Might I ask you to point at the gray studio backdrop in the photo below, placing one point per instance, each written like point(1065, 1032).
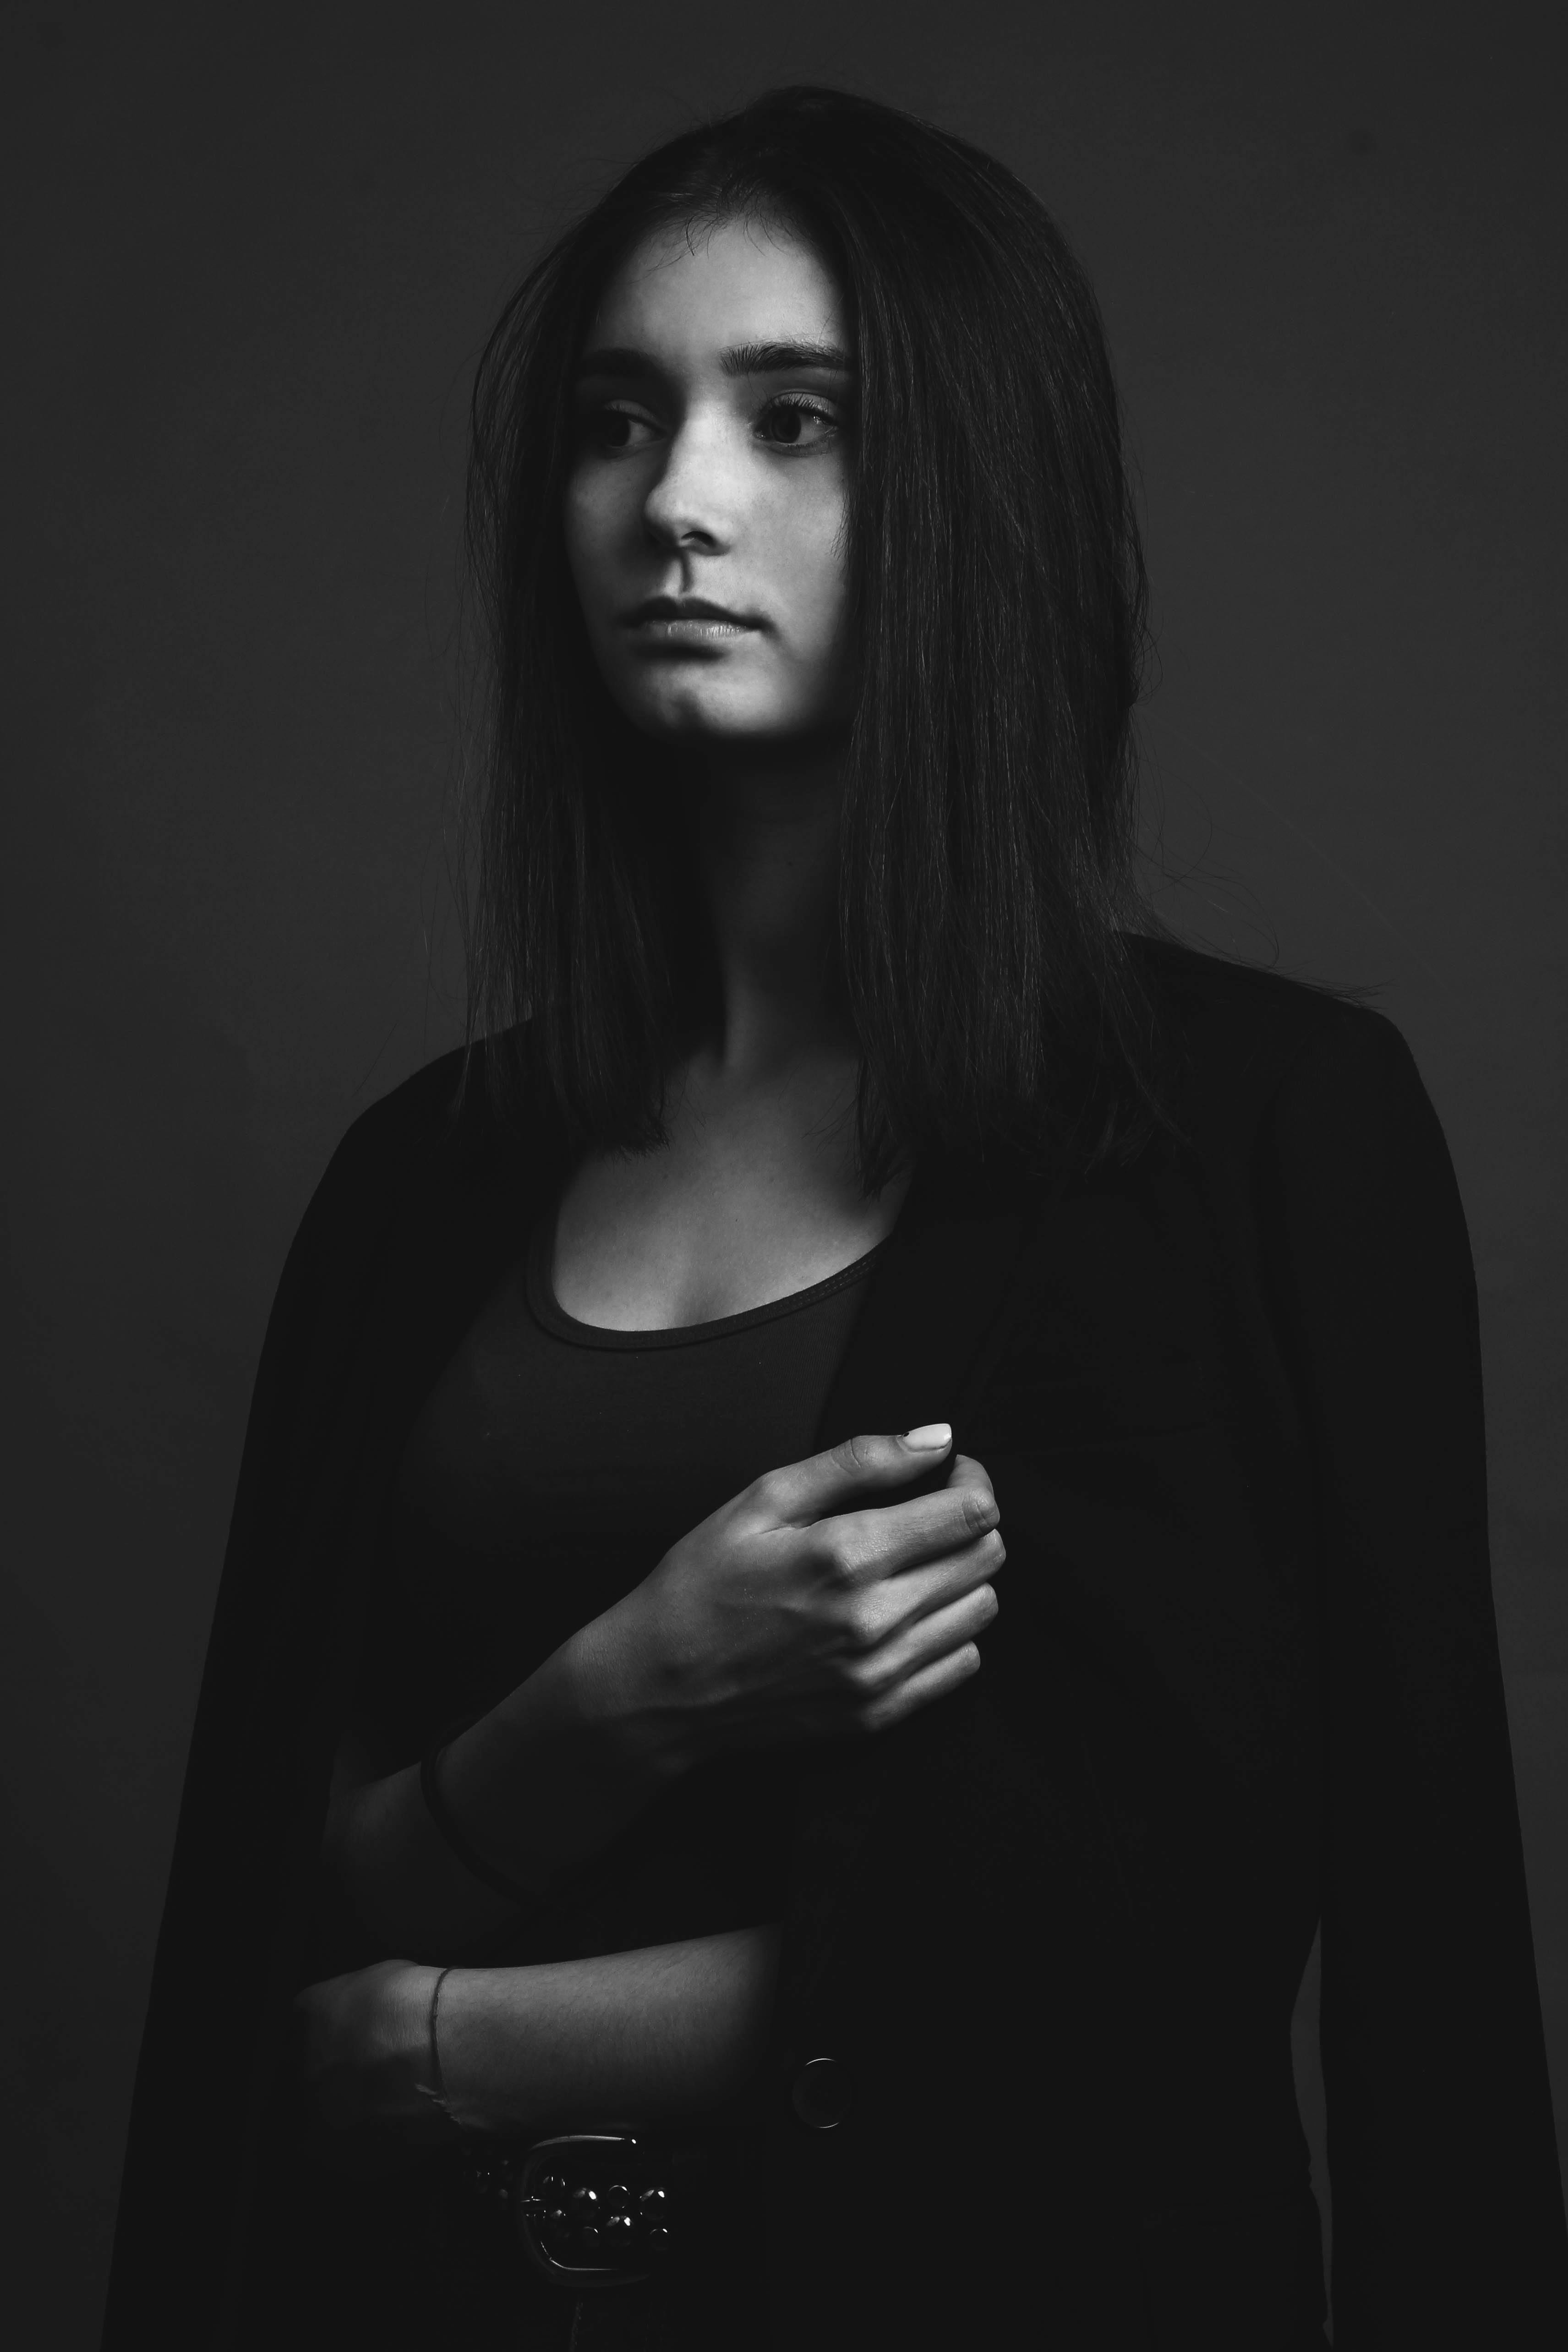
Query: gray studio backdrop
point(251, 253)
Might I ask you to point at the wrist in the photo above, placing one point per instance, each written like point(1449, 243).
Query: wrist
point(626, 1694)
point(401, 2083)
point(408, 2065)
point(366, 2044)
point(477, 2063)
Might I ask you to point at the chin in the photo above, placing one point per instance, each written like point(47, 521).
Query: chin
point(699, 718)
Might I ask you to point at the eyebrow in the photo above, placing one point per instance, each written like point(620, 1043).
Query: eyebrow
point(742, 359)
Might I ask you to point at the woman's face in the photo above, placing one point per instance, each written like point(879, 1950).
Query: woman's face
point(706, 508)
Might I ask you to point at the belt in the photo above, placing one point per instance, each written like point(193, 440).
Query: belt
point(594, 2209)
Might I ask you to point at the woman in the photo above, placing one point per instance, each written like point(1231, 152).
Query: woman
point(592, 1726)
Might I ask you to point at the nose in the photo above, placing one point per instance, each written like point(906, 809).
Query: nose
point(692, 504)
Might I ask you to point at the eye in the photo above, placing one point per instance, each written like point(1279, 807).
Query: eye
point(615, 428)
point(794, 422)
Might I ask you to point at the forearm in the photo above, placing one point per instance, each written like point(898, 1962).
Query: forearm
point(540, 1785)
point(629, 2037)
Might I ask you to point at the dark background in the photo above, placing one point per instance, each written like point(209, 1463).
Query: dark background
point(251, 253)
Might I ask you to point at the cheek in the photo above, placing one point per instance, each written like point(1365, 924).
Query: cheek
point(815, 554)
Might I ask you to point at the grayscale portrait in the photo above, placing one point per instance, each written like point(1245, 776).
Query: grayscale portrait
point(787, 1180)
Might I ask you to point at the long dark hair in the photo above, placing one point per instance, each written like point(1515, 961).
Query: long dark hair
point(999, 593)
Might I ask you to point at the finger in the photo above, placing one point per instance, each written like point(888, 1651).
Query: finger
point(920, 1641)
point(884, 1608)
point(801, 1492)
point(920, 1690)
point(894, 1537)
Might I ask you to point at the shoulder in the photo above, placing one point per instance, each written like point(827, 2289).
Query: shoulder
point(418, 1164)
point(389, 1143)
point(402, 1125)
point(431, 1133)
point(355, 1207)
point(1290, 1095)
point(1244, 1041)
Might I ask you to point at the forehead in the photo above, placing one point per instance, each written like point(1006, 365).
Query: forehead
point(686, 294)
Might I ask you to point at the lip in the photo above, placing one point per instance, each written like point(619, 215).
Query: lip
point(688, 620)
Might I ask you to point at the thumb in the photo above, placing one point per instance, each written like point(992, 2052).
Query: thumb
point(825, 1483)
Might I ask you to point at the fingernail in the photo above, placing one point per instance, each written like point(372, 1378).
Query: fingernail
point(930, 1437)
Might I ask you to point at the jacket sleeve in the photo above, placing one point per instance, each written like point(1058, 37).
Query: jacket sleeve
point(255, 1774)
point(1448, 2208)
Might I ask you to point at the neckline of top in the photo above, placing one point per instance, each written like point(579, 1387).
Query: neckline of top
point(549, 1312)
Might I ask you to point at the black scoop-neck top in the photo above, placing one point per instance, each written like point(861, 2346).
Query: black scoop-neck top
point(552, 1466)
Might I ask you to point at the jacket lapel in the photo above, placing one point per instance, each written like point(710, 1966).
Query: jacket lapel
point(919, 1353)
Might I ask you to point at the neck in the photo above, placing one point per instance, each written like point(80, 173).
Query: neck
point(766, 829)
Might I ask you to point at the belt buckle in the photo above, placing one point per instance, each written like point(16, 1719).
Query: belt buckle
point(595, 2209)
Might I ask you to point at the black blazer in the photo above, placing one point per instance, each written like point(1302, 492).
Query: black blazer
point(1245, 1677)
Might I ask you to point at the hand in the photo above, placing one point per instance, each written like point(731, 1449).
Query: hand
point(366, 2047)
point(803, 1610)
point(807, 1608)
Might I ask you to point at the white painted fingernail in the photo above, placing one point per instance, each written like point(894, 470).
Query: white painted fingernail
point(930, 1437)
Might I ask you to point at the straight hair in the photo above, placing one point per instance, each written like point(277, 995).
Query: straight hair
point(998, 601)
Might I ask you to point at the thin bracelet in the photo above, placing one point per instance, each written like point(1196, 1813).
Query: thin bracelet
point(437, 2081)
point(440, 1812)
